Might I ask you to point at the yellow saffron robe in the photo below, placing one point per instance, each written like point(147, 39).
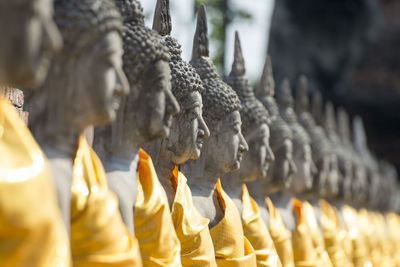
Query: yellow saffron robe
point(316, 235)
point(154, 229)
point(334, 236)
point(280, 235)
point(393, 222)
point(359, 244)
point(32, 232)
point(98, 234)
point(256, 231)
point(303, 248)
point(230, 245)
point(191, 228)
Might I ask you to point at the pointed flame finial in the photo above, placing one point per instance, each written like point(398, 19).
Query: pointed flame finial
point(162, 18)
point(200, 40)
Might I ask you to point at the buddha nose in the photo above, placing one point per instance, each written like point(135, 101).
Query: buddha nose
point(122, 84)
point(172, 104)
point(52, 39)
point(204, 132)
point(270, 157)
point(313, 168)
point(292, 167)
point(243, 146)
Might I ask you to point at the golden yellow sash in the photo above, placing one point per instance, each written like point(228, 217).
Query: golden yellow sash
point(32, 232)
point(280, 235)
point(334, 236)
point(98, 234)
point(231, 247)
point(359, 244)
point(158, 242)
point(191, 228)
point(304, 253)
point(256, 231)
point(316, 235)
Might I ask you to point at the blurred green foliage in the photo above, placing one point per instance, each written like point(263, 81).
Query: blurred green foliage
point(221, 13)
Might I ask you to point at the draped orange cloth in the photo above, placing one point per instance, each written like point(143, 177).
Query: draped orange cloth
point(191, 228)
point(154, 229)
point(393, 222)
point(256, 231)
point(360, 250)
point(98, 234)
point(316, 235)
point(280, 235)
point(304, 252)
point(334, 236)
point(32, 232)
point(230, 245)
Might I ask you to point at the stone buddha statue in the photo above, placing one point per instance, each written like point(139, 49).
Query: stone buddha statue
point(83, 88)
point(344, 157)
point(255, 128)
point(30, 38)
point(302, 180)
point(221, 153)
point(69, 102)
point(32, 230)
point(331, 186)
point(255, 163)
point(145, 115)
point(370, 164)
point(184, 142)
point(320, 149)
point(281, 170)
point(356, 189)
point(280, 173)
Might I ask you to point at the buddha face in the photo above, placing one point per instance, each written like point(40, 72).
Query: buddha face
point(302, 179)
point(29, 39)
point(283, 168)
point(99, 81)
point(331, 187)
point(226, 145)
point(256, 161)
point(188, 130)
point(153, 105)
point(321, 176)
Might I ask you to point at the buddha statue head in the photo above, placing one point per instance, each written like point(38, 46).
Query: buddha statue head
point(343, 156)
point(303, 178)
point(188, 129)
point(370, 164)
point(223, 150)
point(330, 187)
point(255, 122)
point(281, 171)
point(29, 40)
point(357, 186)
point(320, 149)
point(146, 112)
point(86, 81)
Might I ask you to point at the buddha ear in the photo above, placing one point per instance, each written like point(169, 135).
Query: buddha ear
point(200, 40)
point(162, 18)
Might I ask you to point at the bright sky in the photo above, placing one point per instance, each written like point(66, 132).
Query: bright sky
point(253, 35)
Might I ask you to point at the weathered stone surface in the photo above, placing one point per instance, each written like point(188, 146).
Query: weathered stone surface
point(16, 96)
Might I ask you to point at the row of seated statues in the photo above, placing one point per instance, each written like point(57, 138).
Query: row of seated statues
point(135, 157)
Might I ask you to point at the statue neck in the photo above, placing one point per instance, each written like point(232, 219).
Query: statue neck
point(203, 186)
point(232, 184)
point(164, 168)
point(65, 141)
